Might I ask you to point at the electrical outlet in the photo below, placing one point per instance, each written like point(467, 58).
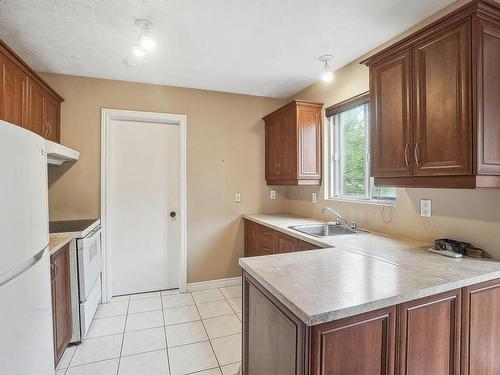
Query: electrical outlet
point(237, 197)
point(272, 194)
point(314, 197)
point(425, 208)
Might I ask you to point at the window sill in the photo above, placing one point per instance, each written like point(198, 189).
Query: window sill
point(371, 202)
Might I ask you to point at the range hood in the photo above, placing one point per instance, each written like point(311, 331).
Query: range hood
point(58, 154)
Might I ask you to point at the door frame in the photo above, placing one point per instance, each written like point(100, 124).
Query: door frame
point(108, 115)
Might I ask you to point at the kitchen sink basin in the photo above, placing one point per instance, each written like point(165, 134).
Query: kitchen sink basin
point(325, 230)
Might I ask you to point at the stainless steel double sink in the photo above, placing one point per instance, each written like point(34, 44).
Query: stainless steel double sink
point(325, 230)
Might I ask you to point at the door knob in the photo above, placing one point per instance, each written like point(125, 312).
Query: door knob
point(172, 214)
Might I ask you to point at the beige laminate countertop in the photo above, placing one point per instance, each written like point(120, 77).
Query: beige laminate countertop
point(57, 241)
point(357, 273)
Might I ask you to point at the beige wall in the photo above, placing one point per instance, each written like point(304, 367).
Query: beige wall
point(225, 154)
point(469, 215)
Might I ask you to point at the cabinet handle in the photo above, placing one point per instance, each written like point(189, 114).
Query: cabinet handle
point(417, 148)
point(406, 155)
point(56, 269)
point(276, 169)
point(279, 168)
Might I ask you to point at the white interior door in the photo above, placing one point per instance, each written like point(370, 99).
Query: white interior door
point(143, 188)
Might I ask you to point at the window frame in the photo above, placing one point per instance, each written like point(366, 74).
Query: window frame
point(333, 166)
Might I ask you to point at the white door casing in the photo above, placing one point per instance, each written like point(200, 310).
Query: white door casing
point(143, 179)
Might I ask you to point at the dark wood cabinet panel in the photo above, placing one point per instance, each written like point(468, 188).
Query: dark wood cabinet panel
point(391, 139)
point(481, 331)
point(293, 144)
point(487, 45)
point(12, 93)
point(454, 88)
point(273, 148)
point(273, 338)
point(361, 345)
point(285, 243)
point(309, 143)
point(25, 99)
point(304, 246)
point(429, 335)
point(443, 127)
point(36, 99)
point(262, 240)
point(61, 301)
point(52, 111)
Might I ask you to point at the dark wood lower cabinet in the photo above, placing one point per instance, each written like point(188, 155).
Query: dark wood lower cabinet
point(452, 333)
point(362, 344)
point(262, 240)
point(61, 300)
point(429, 335)
point(481, 329)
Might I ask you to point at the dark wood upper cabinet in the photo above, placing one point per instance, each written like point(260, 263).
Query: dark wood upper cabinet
point(52, 114)
point(12, 93)
point(391, 139)
point(434, 103)
point(442, 103)
point(61, 300)
point(25, 99)
point(293, 144)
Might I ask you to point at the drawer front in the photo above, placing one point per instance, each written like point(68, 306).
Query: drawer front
point(266, 238)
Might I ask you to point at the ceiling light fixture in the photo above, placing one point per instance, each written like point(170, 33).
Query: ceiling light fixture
point(327, 75)
point(145, 40)
point(138, 51)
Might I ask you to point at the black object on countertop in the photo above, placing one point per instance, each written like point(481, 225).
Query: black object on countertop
point(451, 245)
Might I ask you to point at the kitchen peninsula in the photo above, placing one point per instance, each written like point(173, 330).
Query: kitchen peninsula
point(372, 304)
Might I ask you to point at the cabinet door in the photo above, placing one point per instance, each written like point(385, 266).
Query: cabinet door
point(52, 112)
point(285, 243)
point(61, 301)
point(303, 246)
point(273, 148)
point(309, 142)
point(287, 165)
point(36, 98)
point(12, 93)
point(443, 127)
point(429, 335)
point(481, 331)
point(391, 120)
point(250, 238)
point(487, 43)
point(361, 345)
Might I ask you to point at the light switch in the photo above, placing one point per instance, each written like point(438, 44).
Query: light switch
point(272, 194)
point(314, 197)
point(237, 197)
point(425, 208)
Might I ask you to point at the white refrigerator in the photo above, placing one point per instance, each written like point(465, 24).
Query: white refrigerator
point(26, 341)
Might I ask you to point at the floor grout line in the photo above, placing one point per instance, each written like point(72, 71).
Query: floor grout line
point(123, 338)
point(209, 341)
point(165, 333)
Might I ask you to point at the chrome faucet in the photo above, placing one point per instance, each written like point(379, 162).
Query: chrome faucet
point(339, 219)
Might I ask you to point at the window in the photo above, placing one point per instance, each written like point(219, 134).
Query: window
point(348, 154)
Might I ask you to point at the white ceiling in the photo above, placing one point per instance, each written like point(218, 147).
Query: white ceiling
point(257, 47)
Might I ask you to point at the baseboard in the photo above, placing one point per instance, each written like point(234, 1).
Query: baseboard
point(219, 283)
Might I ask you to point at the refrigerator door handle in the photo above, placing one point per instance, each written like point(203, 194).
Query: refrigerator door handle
point(20, 268)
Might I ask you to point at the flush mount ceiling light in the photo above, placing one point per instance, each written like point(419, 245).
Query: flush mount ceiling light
point(327, 75)
point(145, 39)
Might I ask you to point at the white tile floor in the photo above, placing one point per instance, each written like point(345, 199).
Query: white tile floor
point(162, 333)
